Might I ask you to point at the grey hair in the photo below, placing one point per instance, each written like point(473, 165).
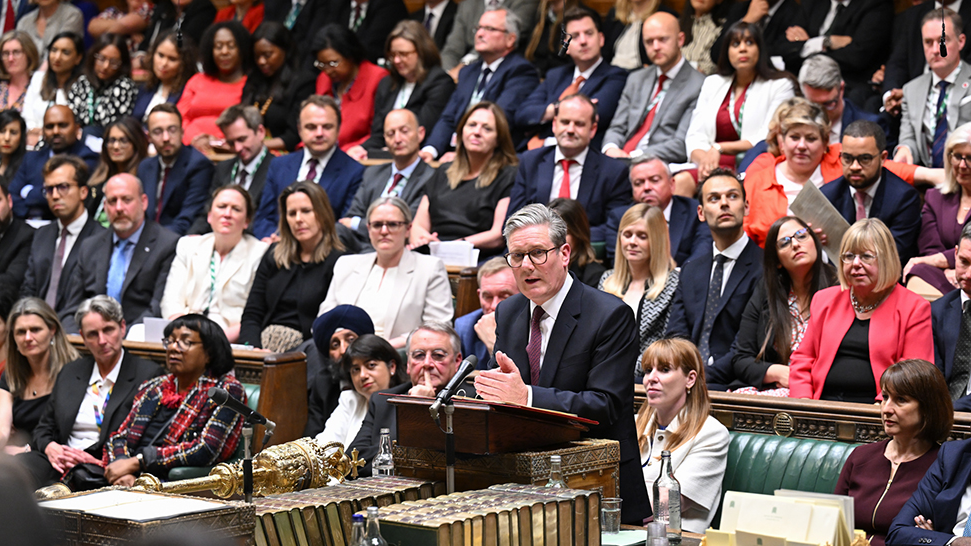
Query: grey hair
point(395, 202)
point(537, 215)
point(820, 72)
point(647, 157)
point(440, 328)
point(513, 24)
point(106, 306)
point(966, 232)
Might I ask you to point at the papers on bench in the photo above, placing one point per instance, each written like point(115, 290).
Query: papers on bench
point(133, 505)
point(789, 518)
point(457, 253)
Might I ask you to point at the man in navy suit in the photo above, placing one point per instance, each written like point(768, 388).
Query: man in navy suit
point(321, 161)
point(949, 319)
point(822, 83)
point(941, 501)
point(653, 184)
point(572, 169)
point(61, 133)
point(66, 187)
point(705, 312)
point(884, 195)
point(177, 181)
point(500, 76)
point(564, 346)
point(477, 330)
point(438, 16)
point(589, 74)
point(15, 241)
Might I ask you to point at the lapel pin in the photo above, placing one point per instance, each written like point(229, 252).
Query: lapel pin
point(964, 85)
point(147, 250)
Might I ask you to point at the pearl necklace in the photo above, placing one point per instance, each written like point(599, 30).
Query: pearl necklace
point(863, 309)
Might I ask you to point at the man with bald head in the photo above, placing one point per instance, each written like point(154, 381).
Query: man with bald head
point(655, 107)
point(129, 262)
point(61, 132)
point(404, 177)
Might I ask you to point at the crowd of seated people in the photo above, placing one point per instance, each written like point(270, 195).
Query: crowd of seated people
point(272, 164)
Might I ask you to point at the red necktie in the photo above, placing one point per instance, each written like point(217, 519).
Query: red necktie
point(10, 16)
point(646, 126)
point(860, 205)
point(565, 184)
point(161, 194)
point(572, 89)
point(394, 184)
point(312, 170)
point(534, 348)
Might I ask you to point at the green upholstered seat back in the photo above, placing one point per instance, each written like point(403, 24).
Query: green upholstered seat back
point(252, 394)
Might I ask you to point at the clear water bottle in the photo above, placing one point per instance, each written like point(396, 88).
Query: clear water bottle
point(383, 462)
point(667, 499)
point(373, 536)
point(357, 532)
point(556, 480)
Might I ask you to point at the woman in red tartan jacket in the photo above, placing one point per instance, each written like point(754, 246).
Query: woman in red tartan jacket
point(172, 421)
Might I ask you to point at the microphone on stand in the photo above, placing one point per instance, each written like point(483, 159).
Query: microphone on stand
point(222, 398)
point(943, 45)
point(465, 368)
point(565, 43)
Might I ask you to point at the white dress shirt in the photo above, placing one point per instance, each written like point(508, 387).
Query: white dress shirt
point(73, 231)
point(321, 164)
point(86, 432)
point(870, 193)
point(732, 253)
point(552, 309)
point(576, 171)
point(437, 13)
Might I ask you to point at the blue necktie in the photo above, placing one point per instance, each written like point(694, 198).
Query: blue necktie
point(117, 269)
point(940, 131)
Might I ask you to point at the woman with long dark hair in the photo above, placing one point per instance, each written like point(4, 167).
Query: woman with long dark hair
point(169, 67)
point(65, 56)
point(583, 259)
point(13, 144)
point(123, 148)
point(105, 92)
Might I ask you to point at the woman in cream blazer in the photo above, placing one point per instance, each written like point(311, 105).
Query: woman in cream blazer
point(226, 252)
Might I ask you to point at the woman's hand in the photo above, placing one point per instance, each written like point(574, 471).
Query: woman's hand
point(358, 153)
point(935, 260)
point(708, 162)
point(117, 471)
point(446, 157)
point(778, 375)
point(201, 143)
point(419, 236)
point(796, 34)
point(951, 277)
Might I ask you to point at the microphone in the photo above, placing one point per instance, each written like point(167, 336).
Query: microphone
point(221, 397)
point(565, 44)
point(943, 45)
point(465, 368)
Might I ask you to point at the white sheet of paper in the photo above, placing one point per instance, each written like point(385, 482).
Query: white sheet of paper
point(458, 253)
point(133, 506)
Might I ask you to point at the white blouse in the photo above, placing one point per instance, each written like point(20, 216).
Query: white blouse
point(344, 424)
point(34, 106)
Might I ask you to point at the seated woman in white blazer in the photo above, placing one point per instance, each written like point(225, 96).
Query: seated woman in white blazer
point(398, 288)
point(212, 274)
point(736, 104)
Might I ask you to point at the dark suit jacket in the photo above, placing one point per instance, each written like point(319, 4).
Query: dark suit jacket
point(752, 332)
point(605, 86)
point(56, 423)
point(444, 24)
point(789, 14)
point(586, 371)
point(379, 21)
point(946, 325)
point(853, 113)
point(603, 185)
point(14, 256)
point(907, 60)
point(427, 101)
point(29, 179)
point(373, 183)
point(471, 344)
point(42, 250)
point(688, 309)
point(508, 87)
point(141, 293)
point(222, 176)
point(340, 178)
point(688, 235)
point(896, 203)
point(185, 189)
point(938, 498)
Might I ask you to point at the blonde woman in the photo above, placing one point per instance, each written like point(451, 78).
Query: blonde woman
point(677, 418)
point(467, 198)
point(643, 275)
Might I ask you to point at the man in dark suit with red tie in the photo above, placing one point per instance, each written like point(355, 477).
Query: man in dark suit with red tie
point(951, 321)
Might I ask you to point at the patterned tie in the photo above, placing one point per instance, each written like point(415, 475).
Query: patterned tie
point(394, 190)
point(312, 170)
point(161, 193)
point(241, 175)
point(631, 144)
point(483, 81)
point(711, 305)
point(51, 297)
point(117, 269)
point(958, 385)
point(860, 205)
point(535, 346)
point(292, 16)
point(357, 19)
point(428, 21)
point(940, 129)
point(565, 184)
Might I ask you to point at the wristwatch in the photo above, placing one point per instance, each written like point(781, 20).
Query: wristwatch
point(141, 461)
point(718, 147)
point(827, 43)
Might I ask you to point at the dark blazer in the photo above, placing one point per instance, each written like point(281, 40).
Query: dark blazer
point(603, 185)
point(340, 178)
point(30, 175)
point(374, 180)
point(15, 244)
point(444, 24)
point(946, 325)
point(379, 21)
point(605, 86)
point(144, 98)
point(508, 87)
point(282, 115)
point(471, 344)
point(185, 189)
point(42, 250)
point(907, 60)
point(141, 293)
point(789, 14)
point(586, 371)
point(688, 310)
point(752, 332)
point(938, 498)
point(222, 176)
point(427, 101)
point(896, 203)
point(852, 112)
point(688, 235)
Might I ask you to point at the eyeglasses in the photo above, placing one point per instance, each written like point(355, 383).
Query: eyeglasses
point(403, 54)
point(956, 159)
point(13, 54)
point(437, 355)
point(321, 65)
point(489, 29)
point(392, 226)
point(61, 189)
point(867, 257)
point(863, 159)
point(113, 63)
point(159, 131)
point(830, 104)
point(123, 141)
point(182, 344)
point(536, 257)
point(800, 236)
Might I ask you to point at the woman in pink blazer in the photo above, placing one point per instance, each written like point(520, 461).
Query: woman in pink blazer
point(859, 329)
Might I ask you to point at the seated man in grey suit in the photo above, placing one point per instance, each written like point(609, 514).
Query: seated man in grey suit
point(935, 102)
point(56, 246)
point(655, 108)
point(404, 177)
point(130, 261)
point(91, 398)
